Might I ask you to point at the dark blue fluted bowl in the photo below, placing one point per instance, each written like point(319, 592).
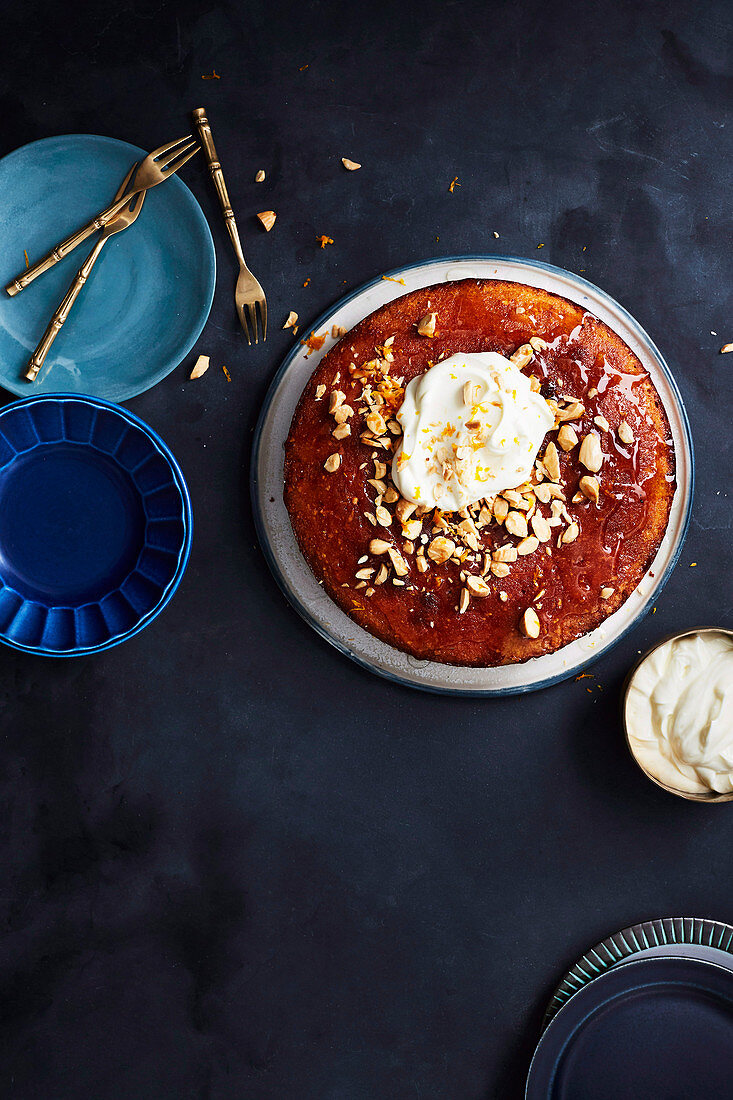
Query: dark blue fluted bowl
point(95, 525)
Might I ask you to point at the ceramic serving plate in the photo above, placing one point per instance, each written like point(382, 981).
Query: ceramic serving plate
point(148, 296)
point(96, 525)
point(655, 1027)
point(300, 586)
point(693, 937)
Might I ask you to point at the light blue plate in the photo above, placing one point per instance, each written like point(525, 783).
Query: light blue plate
point(151, 290)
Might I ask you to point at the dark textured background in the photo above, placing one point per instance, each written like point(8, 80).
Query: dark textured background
point(234, 864)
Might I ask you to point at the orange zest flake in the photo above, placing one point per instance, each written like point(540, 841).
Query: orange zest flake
point(389, 279)
point(213, 75)
point(540, 246)
point(324, 240)
point(307, 281)
point(357, 606)
point(226, 373)
point(313, 343)
point(27, 264)
point(585, 676)
point(302, 68)
point(453, 184)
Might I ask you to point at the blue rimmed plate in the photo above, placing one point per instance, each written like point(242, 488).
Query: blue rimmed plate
point(308, 597)
point(96, 525)
point(151, 291)
point(655, 1027)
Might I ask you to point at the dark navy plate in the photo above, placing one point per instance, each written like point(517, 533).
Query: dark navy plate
point(151, 290)
point(653, 1029)
point(95, 525)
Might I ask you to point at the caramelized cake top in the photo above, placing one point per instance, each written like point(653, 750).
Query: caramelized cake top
point(514, 576)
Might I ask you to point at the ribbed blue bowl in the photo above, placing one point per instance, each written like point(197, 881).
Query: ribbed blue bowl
point(95, 525)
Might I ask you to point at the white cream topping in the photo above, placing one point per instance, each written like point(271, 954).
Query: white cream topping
point(679, 713)
point(472, 428)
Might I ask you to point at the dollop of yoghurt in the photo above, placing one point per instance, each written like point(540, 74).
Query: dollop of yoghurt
point(679, 713)
point(472, 428)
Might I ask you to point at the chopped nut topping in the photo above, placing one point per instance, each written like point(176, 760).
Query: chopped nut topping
point(404, 510)
point(530, 625)
point(527, 546)
point(380, 468)
point(412, 529)
point(440, 549)
point(379, 546)
point(571, 533)
point(399, 564)
point(503, 596)
point(267, 217)
point(464, 600)
point(625, 433)
point(384, 516)
point(500, 508)
point(516, 524)
point(726, 348)
point(260, 176)
point(606, 592)
point(422, 565)
point(375, 423)
point(602, 423)
point(200, 366)
point(571, 412)
point(350, 165)
point(341, 431)
point(320, 390)
point(342, 413)
point(541, 528)
point(538, 343)
point(522, 356)
point(470, 393)
point(292, 319)
point(337, 331)
point(500, 569)
point(332, 463)
point(591, 454)
point(589, 487)
point(477, 586)
point(505, 553)
point(551, 462)
point(363, 574)
point(567, 437)
point(534, 384)
point(391, 495)
point(592, 392)
point(381, 575)
point(337, 398)
point(426, 325)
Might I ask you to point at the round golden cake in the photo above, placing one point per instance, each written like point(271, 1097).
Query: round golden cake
point(513, 576)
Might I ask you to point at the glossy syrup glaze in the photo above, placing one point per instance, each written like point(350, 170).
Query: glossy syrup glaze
point(617, 537)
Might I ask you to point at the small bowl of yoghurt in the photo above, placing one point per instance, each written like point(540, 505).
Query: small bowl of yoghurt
point(678, 714)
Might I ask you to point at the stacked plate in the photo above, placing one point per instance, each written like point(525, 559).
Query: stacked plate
point(647, 1013)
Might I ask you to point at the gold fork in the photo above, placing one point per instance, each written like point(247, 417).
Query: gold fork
point(248, 294)
point(157, 167)
point(128, 214)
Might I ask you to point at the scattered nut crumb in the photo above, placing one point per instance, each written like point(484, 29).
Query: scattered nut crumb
point(522, 356)
point(530, 625)
point(332, 463)
point(292, 319)
point(567, 437)
point(591, 455)
point(426, 325)
point(551, 462)
point(601, 422)
point(726, 348)
point(337, 331)
point(350, 165)
point(267, 217)
point(200, 367)
point(440, 549)
point(606, 592)
point(260, 177)
point(571, 533)
point(589, 487)
point(320, 390)
point(625, 433)
point(496, 235)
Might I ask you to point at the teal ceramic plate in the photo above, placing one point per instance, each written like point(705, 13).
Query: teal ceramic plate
point(151, 290)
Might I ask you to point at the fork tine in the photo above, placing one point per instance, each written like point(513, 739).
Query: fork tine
point(263, 317)
point(165, 149)
point(243, 321)
point(253, 319)
point(123, 186)
point(178, 162)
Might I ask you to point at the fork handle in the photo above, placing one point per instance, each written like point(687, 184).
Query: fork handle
point(21, 281)
point(203, 128)
point(36, 361)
